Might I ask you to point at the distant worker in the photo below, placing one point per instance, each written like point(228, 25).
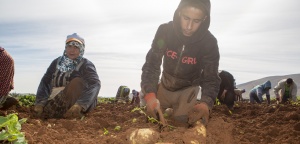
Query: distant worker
point(226, 92)
point(238, 94)
point(288, 90)
point(123, 94)
point(7, 71)
point(135, 98)
point(258, 91)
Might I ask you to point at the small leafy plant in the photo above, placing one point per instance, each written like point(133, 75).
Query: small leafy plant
point(217, 102)
point(10, 129)
point(138, 109)
point(117, 128)
point(105, 131)
point(150, 119)
point(134, 120)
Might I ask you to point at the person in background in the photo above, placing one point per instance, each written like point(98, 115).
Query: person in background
point(258, 91)
point(122, 95)
point(226, 93)
point(7, 71)
point(135, 98)
point(70, 86)
point(190, 56)
point(288, 90)
point(239, 93)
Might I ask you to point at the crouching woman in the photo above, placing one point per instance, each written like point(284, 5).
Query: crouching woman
point(70, 85)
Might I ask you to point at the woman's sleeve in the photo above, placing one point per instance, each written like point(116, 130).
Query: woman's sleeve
point(44, 89)
point(90, 93)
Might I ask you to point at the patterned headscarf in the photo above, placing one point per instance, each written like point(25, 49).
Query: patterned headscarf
point(66, 64)
point(7, 71)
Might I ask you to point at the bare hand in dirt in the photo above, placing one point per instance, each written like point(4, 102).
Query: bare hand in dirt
point(38, 109)
point(200, 112)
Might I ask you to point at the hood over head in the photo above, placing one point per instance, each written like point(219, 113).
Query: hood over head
point(204, 5)
point(267, 84)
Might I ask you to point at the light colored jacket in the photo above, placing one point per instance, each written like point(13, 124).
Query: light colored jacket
point(281, 86)
point(260, 90)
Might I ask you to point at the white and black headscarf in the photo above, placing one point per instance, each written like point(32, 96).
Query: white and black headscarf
point(66, 64)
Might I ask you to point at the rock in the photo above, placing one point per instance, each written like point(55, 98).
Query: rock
point(195, 135)
point(143, 136)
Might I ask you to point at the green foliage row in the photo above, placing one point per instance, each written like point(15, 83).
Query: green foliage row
point(26, 100)
point(29, 99)
point(106, 100)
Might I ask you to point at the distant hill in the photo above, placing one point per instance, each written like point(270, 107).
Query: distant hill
point(274, 80)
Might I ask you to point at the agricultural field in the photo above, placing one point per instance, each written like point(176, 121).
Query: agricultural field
point(113, 123)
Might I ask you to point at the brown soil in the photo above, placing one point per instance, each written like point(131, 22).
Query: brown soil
point(248, 123)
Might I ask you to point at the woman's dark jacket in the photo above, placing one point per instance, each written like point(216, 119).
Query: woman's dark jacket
point(87, 72)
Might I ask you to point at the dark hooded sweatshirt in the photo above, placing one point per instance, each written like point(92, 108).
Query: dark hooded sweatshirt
point(187, 61)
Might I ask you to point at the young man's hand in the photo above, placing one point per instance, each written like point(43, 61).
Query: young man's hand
point(199, 112)
point(152, 104)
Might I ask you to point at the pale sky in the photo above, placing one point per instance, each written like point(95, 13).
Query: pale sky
point(256, 38)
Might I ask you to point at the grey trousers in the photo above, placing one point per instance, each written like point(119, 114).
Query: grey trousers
point(181, 101)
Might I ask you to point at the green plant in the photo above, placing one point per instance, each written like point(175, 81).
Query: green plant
point(230, 112)
point(117, 128)
point(150, 119)
point(166, 115)
point(105, 131)
point(217, 102)
point(11, 127)
point(134, 120)
point(82, 118)
point(296, 103)
point(138, 109)
point(106, 100)
point(27, 100)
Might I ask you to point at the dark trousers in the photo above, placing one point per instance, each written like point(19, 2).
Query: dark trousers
point(285, 98)
point(63, 101)
point(255, 97)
